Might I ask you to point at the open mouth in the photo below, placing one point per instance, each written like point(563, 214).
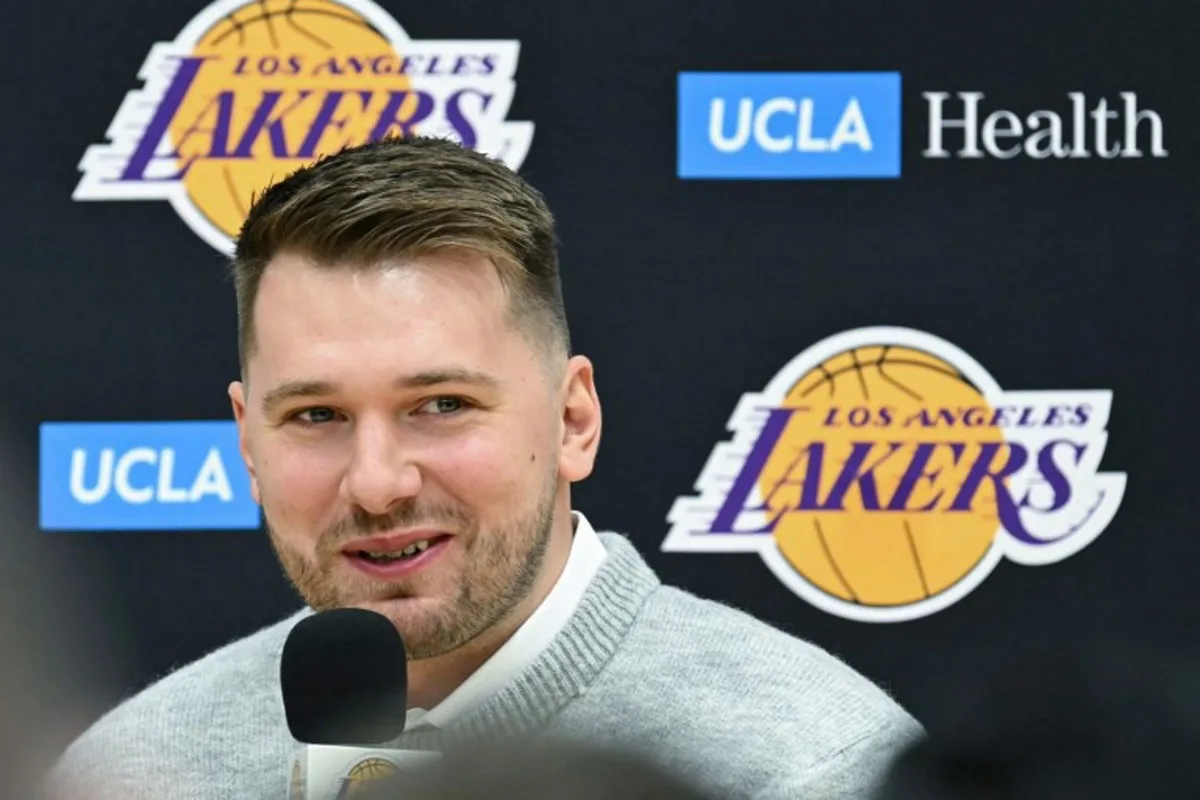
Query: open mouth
point(406, 554)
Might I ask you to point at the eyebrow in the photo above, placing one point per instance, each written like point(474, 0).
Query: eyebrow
point(294, 390)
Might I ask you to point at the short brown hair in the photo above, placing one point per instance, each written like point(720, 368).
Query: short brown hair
point(403, 198)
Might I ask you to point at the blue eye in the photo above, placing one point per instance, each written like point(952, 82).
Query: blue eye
point(316, 416)
point(446, 405)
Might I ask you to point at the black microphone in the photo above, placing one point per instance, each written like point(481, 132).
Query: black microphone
point(344, 676)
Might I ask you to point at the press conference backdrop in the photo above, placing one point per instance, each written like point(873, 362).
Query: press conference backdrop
point(893, 306)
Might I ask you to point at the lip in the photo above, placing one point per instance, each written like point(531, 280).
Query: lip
point(400, 568)
point(391, 542)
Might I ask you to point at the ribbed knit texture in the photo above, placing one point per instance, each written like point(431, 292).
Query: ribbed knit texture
point(740, 707)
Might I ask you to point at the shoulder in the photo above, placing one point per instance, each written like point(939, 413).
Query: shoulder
point(196, 713)
point(778, 696)
point(251, 658)
point(732, 644)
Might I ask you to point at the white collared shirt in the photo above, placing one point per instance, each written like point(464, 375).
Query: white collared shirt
point(532, 638)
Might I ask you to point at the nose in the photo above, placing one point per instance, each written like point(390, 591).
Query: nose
point(379, 475)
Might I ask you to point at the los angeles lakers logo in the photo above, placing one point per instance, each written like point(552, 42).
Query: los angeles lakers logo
point(251, 90)
point(359, 777)
point(883, 473)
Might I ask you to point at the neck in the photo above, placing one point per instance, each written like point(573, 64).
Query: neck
point(432, 680)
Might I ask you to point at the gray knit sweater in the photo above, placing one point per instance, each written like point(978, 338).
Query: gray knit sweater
point(744, 709)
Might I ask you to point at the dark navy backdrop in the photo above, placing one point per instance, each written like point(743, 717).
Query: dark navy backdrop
point(1055, 274)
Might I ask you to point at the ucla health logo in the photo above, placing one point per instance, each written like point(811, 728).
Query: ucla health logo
point(883, 473)
point(812, 125)
point(789, 125)
point(143, 476)
point(251, 90)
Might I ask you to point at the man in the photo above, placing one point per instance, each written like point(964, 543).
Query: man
point(413, 419)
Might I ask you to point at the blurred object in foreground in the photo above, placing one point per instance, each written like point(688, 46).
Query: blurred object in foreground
point(1106, 721)
point(533, 770)
point(57, 640)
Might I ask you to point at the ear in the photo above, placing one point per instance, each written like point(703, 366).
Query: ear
point(581, 420)
point(237, 398)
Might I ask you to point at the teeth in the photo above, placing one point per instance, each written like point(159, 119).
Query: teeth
point(411, 550)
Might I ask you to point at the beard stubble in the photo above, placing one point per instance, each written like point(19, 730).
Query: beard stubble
point(499, 569)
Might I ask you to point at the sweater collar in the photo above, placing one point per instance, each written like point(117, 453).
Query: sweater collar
point(571, 662)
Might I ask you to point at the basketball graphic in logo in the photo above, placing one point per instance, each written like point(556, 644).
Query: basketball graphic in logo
point(251, 90)
point(363, 773)
point(270, 50)
point(850, 551)
point(883, 473)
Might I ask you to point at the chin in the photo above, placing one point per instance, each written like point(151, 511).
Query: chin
point(402, 611)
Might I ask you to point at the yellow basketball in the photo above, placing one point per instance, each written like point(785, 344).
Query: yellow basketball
point(861, 552)
point(364, 772)
point(281, 61)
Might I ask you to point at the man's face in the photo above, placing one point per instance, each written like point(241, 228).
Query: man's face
point(405, 441)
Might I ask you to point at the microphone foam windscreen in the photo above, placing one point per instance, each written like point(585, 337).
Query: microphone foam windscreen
point(344, 677)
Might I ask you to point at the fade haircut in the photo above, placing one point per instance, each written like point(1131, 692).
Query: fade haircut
point(402, 198)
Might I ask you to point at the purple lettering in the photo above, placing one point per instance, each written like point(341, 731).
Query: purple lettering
point(262, 120)
point(1054, 418)
point(324, 121)
point(388, 117)
point(853, 472)
point(454, 115)
point(975, 416)
point(921, 418)
point(1006, 509)
point(218, 139)
point(735, 501)
point(330, 65)
point(135, 169)
point(981, 469)
point(268, 65)
point(1054, 476)
point(916, 471)
point(1000, 420)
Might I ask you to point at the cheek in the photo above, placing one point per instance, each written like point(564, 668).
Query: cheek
point(488, 471)
point(299, 487)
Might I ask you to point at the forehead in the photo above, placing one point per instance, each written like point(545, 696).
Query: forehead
point(422, 312)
